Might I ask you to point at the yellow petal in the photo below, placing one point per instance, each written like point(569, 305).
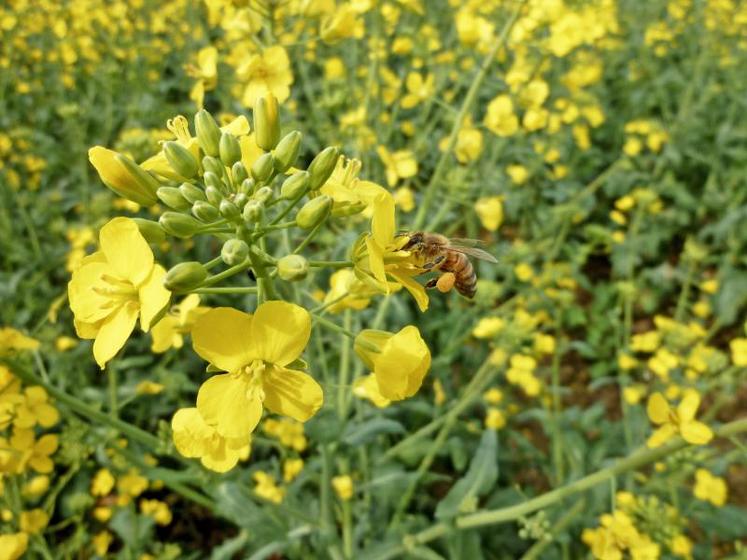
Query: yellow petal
point(661, 435)
point(280, 332)
point(402, 364)
point(87, 304)
point(87, 330)
point(688, 406)
point(415, 288)
point(190, 432)
point(382, 221)
point(222, 337)
point(292, 393)
point(368, 388)
point(229, 404)
point(376, 262)
point(221, 459)
point(658, 408)
point(695, 432)
point(238, 126)
point(126, 250)
point(163, 334)
point(46, 445)
point(154, 298)
point(114, 332)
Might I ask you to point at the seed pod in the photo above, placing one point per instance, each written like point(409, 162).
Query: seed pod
point(214, 196)
point(180, 159)
point(252, 212)
point(314, 212)
point(239, 173)
point(152, 231)
point(179, 225)
point(262, 168)
point(234, 251)
point(295, 186)
point(322, 166)
point(229, 210)
point(173, 198)
point(191, 192)
point(293, 268)
point(266, 122)
point(204, 211)
point(230, 151)
point(263, 194)
point(286, 153)
point(208, 132)
point(212, 164)
point(185, 276)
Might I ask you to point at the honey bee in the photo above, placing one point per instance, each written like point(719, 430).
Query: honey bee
point(438, 252)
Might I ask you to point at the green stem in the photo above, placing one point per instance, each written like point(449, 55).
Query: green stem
point(342, 384)
point(215, 278)
point(227, 290)
point(113, 406)
point(539, 547)
point(330, 264)
point(431, 188)
point(308, 238)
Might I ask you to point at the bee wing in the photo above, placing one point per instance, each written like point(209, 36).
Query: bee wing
point(466, 242)
point(474, 252)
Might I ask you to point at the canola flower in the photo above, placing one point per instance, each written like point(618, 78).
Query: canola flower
point(680, 420)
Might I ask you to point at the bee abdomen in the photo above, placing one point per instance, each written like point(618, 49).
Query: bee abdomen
point(465, 279)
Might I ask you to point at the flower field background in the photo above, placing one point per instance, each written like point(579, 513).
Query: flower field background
point(216, 338)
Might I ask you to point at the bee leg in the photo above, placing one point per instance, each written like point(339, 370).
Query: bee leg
point(438, 260)
point(430, 284)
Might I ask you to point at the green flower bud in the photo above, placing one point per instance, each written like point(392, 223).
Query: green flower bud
point(286, 153)
point(322, 166)
point(179, 225)
point(214, 196)
point(124, 176)
point(247, 186)
point(314, 212)
point(151, 230)
point(230, 151)
point(185, 276)
point(252, 212)
point(239, 173)
point(240, 199)
point(173, 198)
point(205, 211)
point(191, 192)
point(263, 194)
point(347, 209)
point(229, 210)
point(208, 132)
point(180, 159)
point(293, 268)
point(146, 182)
point(234, 251)
point(214, 165)
point(266, 122)
point(262, 168)
point(295, 186)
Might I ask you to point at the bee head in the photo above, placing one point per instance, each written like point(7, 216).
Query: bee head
point(415, 240)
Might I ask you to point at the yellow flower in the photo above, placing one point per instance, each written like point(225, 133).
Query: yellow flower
point(343, 486)
point(130, 486)
point(102, 483)
point(114, 286)
point(645, 342)
point(405, 199)
point(490, 212)
point(500, 118)
point(493, 396)
point(33, 521)
point(518, 174)
point(343, 23)
point(27, 450)
point(194, 438)
point(738, 348)
point(488, 327)
point(256, 351)
point(156, 509)
point(682, 420)
point(710, 488)
point(36, 486)
point(268, 72)
point(495, 419)
point(682, 546)
point(287, 431)
point(34, 409)
point(13, 545)
point(148, 388)
point(206, 72)
point(367, 387)
point(127, 179)
point(291, 469)
point(418, 89)
point(398, 165)
point(266, 488)
point(12, 340)
point(101, 542)
point(521, 373)
point(399, 361)
point(65, 343)
point(170, 330)
point(663, 362)
point(524, 272)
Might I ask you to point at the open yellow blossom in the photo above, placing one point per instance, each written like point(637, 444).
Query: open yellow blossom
point(170, 330)
point(33, 521)
point(419, 89)
point(266, 72)
point(710, 488)
point(32, 452)
point(500, 118)
point(398, 165)
point(343, 23)
point(677, 421)
point(35, 409)
point(156, 509)
point(495, 419)
point(488, 327)
point(266, 487)
point(13, 545)
point(12, 340)
point(255, 351)
point(490, 211)
point(114, 286)
point(347, 291)
point(206, 72)
point(102, 483)
point(399, 361)
point(343, 486)
point(194, 438)
point(291, 469)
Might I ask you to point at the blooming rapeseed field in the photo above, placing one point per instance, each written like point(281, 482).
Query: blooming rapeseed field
point(373, 279)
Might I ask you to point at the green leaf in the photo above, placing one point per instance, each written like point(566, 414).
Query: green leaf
point(359, 434)
point(133, 529)
point(482, 474)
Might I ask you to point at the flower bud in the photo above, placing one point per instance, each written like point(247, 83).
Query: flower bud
point(212, 180)
point(185, 276)
point(240, 199)
point(124, 176)
point(205, 211)
point(295, 186)
point(208, 132)
point(347, 209)
point(214, 196)
point(229, 210)
point(322, 166)
point(234, 251)
point(252, 212)
point(286, 153)
point(180, 159)
point(191, 192)
point(239, 173)
point(263, 194)
point(230, 151)
point(179, 225)
point(314, 212)
point(247, 186)
point(266, 122)
point(151, 230)
point(173, 198)
point(262, 168)
point(214, 165)
point(293, 268)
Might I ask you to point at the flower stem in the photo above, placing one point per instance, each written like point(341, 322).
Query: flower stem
point(330, 264)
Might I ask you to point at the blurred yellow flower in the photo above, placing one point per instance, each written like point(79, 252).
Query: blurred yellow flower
point(12, 340)
point(33, 521)
point(343, 486)
point(206, 73)
point(291, 469)
point(419, 89)
point(495, 419)
point(170, 330)
point(13, 545)
point(156, 509)
point(266, 72)
point(710, 488)
point(398, 165)
point(738, 348)
point(488, 327)
point(677, 421)
point(500, 118)
point(490, 211)
point(266, 487)
point(35, 409)
point(102, 483)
